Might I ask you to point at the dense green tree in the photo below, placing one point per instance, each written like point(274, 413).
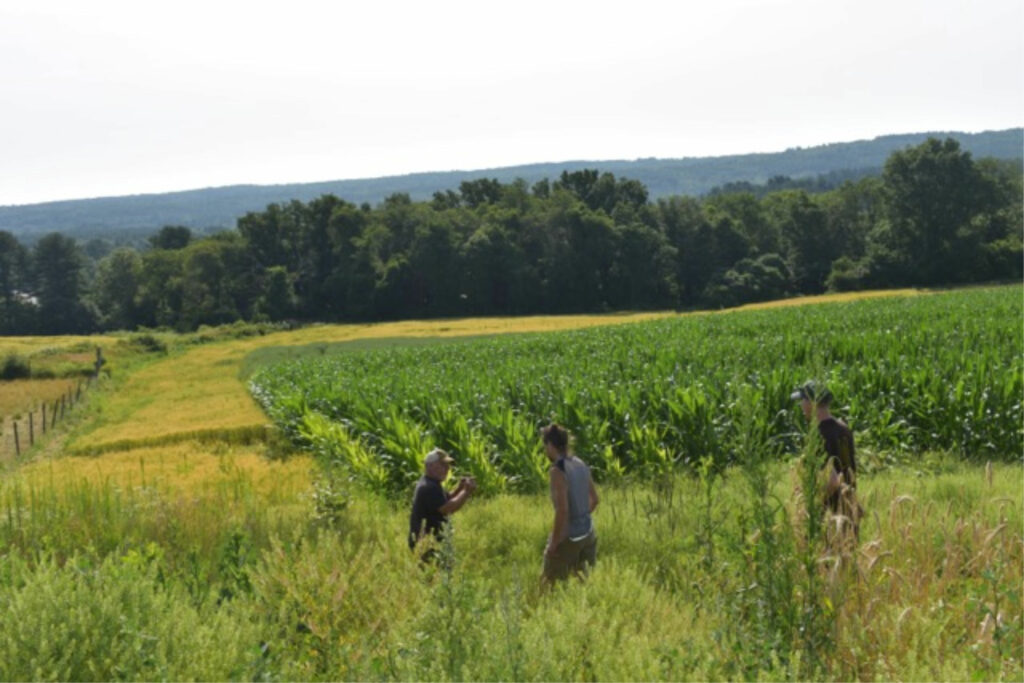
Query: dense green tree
point(642, 275)
point(1001, 226)
point(14, 281)
point(116, 288)
point(171, 237)
point(580, 184)
point(273, 235)
point(335, 294)
point(602, 192)
point(747, 213)
point(316, 225)
point(848, 274)
point(160, 293)
point(760, 279)
point(808, 246)
point(584, 261)
point(482, 191)
point(728, 242)
point(59, 266)
point(278, 300)
point(851, 211)
point(686, 227)
point(933, 192)
point(491, 263)
point(206, 297)
point(97, 247)
point(447, 199)
point(434, 268)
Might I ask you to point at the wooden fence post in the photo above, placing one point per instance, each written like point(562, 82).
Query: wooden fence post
point(62, 406)
point(44, 417)
point(100, 361)
point(17, 443)
point(31, 430)
point(53, 422)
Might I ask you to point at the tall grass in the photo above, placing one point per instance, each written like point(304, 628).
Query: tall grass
point(100, 581)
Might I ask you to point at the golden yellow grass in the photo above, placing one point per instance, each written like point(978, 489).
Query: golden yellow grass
point(29, 345)
point(21, 395)
point(829, 298)
point(184, 469)
point(200, 391)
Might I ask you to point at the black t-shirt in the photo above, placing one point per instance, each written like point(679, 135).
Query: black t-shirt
point(839, 446)
point(426, 507)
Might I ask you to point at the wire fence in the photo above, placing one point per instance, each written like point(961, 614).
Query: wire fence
point(22, 431)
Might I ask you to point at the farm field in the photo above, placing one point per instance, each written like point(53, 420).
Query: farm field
point(645, 399)
point(167, 532)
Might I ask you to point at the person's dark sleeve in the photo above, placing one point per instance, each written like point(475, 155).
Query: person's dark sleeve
point(435, 498)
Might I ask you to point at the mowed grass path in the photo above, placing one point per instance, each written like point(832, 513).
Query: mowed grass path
point(201, 394)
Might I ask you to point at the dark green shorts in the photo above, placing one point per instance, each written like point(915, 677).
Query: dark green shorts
point(571, 557)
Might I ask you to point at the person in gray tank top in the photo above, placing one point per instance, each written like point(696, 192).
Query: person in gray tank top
point(572, 545)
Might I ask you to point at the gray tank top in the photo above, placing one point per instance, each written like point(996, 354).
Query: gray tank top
point(577, 475)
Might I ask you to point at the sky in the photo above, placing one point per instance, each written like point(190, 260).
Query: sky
point(109, 98)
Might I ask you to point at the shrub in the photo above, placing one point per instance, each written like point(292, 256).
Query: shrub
point(148, 343)
point(15, 367)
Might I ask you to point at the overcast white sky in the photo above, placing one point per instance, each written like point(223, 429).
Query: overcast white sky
point(101, 98)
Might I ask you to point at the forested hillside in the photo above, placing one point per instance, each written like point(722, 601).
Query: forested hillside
point(220, 207)
point(584, 241)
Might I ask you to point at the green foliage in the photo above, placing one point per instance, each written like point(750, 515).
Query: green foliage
point(933, 193)
point(332, 600)
point(15, 367)
point(762, 279)
point(171, 237)
point(116, 288)
point(15, 276)
point(59, 273)
point(114, 620)
point(149, 343)
point(912, 375)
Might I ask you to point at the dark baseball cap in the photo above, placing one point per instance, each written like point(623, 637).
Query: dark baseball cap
point(812, 391)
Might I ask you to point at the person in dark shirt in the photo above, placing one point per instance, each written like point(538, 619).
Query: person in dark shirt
point(840, 460)
point(431, 504)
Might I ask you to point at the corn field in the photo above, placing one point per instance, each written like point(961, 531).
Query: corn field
point(941, 372)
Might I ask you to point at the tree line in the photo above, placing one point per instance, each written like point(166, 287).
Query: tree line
point(586, 241)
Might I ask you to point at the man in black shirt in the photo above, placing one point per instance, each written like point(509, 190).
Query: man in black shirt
point(841, 464)
point(431, 504)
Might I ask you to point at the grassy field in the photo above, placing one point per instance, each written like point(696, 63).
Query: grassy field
point(183, 540)
point(238, 580)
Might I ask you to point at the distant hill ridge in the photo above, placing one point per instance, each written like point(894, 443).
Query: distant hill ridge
point(221, 206)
